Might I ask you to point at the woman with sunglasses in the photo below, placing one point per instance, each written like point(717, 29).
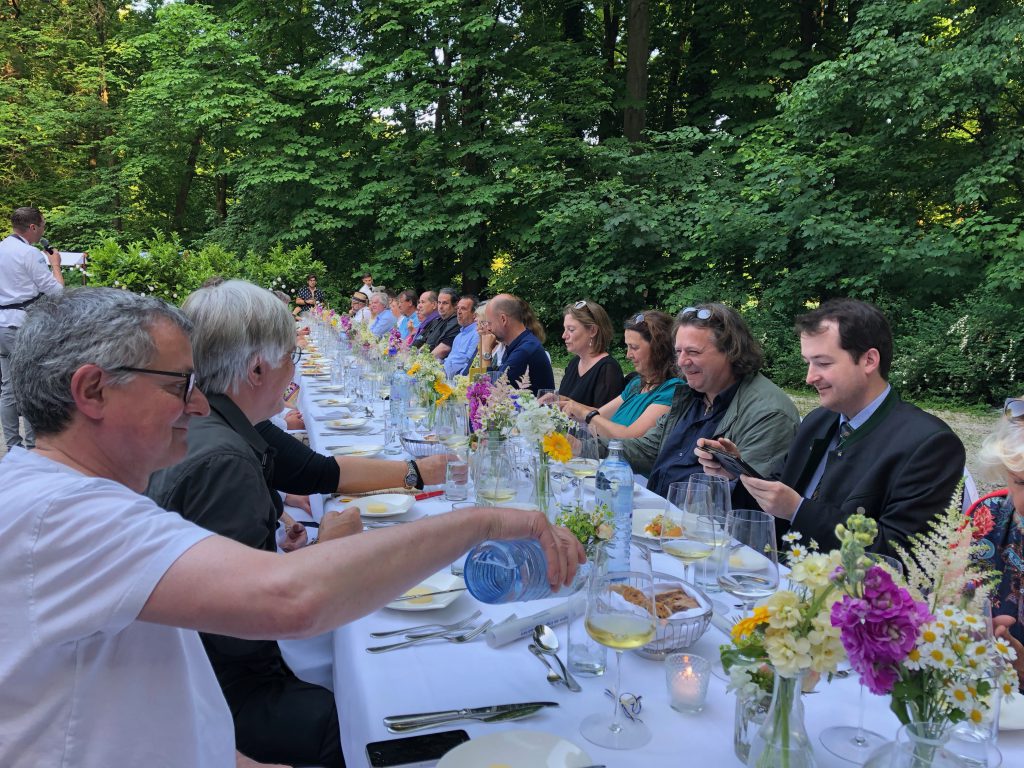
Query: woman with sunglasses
point(1002, 458)
point(648, 396)
point(592, 377)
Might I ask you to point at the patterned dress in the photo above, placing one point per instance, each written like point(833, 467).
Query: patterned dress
point(1005, 552)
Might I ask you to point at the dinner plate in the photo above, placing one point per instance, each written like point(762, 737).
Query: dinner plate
point(383, 504)
point(353, 422)
point(439, 582)
point(516, 749)
point(1011, 714)
point(332, 401)
point(329, 388)
point(641, 517)
point(355, 450)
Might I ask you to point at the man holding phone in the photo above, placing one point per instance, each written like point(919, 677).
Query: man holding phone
point(863, 450)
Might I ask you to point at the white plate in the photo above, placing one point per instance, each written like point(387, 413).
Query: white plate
point(516, 749)
point(439, 581)
point(1011, 713)
point(382, 504)
point(641, 517)
point(327, 402)
point(353, 422)
point(354, 450)
point(329, 388)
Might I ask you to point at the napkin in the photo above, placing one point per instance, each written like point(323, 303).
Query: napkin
point(515, 629)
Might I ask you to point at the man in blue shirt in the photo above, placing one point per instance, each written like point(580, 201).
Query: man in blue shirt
point(524, 353)
point(383, 321)
point(464, 345)
point(408, 322)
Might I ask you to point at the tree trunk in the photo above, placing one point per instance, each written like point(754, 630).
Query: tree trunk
point(637, 54)
point(607, 123)
point(186, 182)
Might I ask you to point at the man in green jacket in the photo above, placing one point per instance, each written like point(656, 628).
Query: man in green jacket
point(724, 395)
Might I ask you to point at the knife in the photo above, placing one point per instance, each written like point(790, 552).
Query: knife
point(494, 714)
point(429, 594)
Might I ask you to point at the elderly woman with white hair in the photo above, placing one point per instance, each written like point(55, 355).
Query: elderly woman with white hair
point(1002, 459)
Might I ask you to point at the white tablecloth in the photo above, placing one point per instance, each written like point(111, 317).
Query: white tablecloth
point(441, 675)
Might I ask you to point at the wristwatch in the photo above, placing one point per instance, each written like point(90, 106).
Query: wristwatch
point(487, 356)
point(590, 416)
point(412, 476)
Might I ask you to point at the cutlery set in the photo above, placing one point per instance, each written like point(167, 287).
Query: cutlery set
point(444, 634)
point(496, 714)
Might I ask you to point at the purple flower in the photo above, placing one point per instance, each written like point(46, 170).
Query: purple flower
point(879, 629)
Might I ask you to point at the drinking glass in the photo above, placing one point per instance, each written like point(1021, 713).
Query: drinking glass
point(721, 512)
point(456, 480)
point(619, 623)
point(751, 568)
point(688, 530)
point(450, 427)
point(392, 441)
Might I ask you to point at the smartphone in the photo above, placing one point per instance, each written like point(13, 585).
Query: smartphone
point(414, 751)
point(732, 463)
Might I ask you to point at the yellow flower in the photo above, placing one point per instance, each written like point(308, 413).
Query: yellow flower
point(413, 370)
point(557, 446)
point(745, 627)
point(442, 388)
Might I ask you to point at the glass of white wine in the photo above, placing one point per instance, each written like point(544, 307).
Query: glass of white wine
point(689, 530)
point(751, 568)
point(620, 615)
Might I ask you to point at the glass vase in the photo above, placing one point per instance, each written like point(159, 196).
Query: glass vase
point(918, 745)
point(542, 483)
point(493, 474)
point(781, 741)
point(751, 710)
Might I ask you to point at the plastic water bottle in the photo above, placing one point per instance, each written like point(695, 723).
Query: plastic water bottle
point(615, 490)
point(512, 571)
point(399, 394)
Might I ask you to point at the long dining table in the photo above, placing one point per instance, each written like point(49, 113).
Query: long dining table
point(440, 675)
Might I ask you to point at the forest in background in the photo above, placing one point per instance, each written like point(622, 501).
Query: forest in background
point(640, 153)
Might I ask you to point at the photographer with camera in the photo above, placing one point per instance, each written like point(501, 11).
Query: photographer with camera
point(26, 275)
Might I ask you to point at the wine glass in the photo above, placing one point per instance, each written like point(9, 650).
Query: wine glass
point(620, 615)
point(856, 743)
point(688, 529)
point(721, 513)
point(751, 568)
point(450, 426)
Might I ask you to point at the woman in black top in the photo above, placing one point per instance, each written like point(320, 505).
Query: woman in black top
point(593, 377)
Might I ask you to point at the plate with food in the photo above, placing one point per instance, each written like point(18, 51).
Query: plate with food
point(516, 749)
point(382, 504)
point(352, 422)
point(327, 402)
point(371, 449)
point(648, 523)
point(329, 388)
point(419, 599)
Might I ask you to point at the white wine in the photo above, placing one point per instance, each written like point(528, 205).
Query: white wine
point(497, 495)
point(582, 467)
point(621, 631)
point(746, 586)
point(687, 550)
point(417, 414)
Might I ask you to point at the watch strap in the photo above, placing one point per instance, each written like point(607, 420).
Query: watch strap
point(590, 416)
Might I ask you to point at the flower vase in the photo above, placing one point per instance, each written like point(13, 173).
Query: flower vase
point(918, 745)
point(542, 484)
point(751, 710)
point(493, 471)
point(781, 741)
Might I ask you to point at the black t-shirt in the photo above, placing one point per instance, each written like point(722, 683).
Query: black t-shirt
point(601, 384)
point(441, 332)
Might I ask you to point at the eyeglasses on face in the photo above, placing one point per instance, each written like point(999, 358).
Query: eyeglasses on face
point(1013, 408)
point(702, 313)
point(190, 378)
point(296, 355)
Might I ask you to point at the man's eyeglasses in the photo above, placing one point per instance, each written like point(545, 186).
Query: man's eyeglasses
point(190, 378)
point(702, 313)
point(296, 355)
point(1013, 408)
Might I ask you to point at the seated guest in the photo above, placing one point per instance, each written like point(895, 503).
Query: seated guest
point(382, 320)
point(507, 317)
point(725, 394)
point(408, 320)
point(465, 344)
point(227, 482)
point(488, 344)
point(359, 310)
point(864, 449)
point(308, 296)
point(592, 377)
point(648, 395)
point(439, 338)
point(1002, 459)
point(102, 590)
point(426, 310)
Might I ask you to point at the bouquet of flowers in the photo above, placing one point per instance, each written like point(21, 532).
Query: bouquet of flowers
point(923, 641)
point(494, 406)
point(591, 527)
point(428, 373)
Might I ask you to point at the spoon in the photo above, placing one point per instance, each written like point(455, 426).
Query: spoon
point(553, 677)
point(547, 642)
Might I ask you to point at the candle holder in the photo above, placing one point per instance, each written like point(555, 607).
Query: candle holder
point(687, 676)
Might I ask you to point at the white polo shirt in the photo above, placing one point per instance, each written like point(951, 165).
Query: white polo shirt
point(24, 273)
point(83, 682)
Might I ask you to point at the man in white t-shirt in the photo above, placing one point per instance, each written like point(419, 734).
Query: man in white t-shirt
point(101, 588)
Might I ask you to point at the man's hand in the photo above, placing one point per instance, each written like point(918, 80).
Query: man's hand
point(335, 524)
point(772, 496)
point(294, 420)
point(487, 342)
point(299, 502)
point(562, 549)
point(1001, 628)
point(432, 468)
point(709, 462)
point(292, 536)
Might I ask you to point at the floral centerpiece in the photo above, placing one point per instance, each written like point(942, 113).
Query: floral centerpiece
point(924, 641)
point(428, 373)
point(493, 405)
point(592, 527)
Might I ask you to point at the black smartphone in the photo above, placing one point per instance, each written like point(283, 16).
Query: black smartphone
point(414, 751)
point(731, 463)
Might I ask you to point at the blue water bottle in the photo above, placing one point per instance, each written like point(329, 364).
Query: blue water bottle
point(512, 571)
point(615, 490)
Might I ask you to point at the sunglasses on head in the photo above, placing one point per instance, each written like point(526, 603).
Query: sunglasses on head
point(580, 305)
point(1013, 408)
point(702, 313)
point(637, 319)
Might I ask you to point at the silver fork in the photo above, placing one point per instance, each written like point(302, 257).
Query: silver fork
point(465, 637)
point(422, 627)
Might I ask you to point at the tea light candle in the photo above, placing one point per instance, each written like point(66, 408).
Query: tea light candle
point(687, 677)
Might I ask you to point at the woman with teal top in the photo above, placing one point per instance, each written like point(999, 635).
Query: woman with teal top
point(649, 394)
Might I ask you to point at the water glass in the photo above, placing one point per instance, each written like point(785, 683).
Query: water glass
point(586, 656)
point(392, 443)
point(456, 480)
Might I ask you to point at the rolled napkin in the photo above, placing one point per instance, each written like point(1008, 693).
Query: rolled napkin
point(513, 629)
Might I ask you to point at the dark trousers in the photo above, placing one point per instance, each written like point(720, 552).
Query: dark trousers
point(286, 720)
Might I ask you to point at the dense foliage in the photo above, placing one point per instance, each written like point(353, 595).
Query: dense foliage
point(636, 152)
